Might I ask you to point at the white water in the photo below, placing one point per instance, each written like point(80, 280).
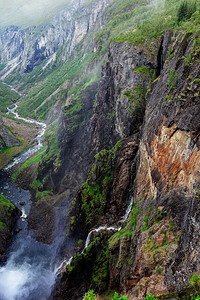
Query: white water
point(60, 269)
point(128, 210)
point(24, 156)
point(63, 265)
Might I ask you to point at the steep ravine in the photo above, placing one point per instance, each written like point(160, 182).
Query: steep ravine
point(156, 252)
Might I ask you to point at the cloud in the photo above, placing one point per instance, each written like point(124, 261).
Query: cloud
point(28, 12)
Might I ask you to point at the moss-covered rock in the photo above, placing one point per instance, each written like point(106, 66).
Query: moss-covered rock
point(104, 197)
point(89, 270)
point(8, 217)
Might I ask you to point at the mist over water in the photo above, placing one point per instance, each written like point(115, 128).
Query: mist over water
point(31, 269)
point(29, 273)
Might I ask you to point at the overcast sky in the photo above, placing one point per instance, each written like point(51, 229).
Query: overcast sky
point(23, 12)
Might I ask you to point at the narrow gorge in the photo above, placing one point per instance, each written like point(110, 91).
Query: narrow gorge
point(107, 199)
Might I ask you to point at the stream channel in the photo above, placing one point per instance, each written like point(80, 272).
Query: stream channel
point(30, 270)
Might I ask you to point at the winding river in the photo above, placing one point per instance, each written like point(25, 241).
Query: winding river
point(30, 270)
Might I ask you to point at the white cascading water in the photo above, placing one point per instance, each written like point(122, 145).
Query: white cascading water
point(88, 240)
point(128, 210)
point(24, 156)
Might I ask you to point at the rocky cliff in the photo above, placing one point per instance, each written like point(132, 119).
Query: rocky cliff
point(24, 49)
point(99, 116)
point(156, 251)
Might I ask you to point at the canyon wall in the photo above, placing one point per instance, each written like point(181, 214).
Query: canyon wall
point(156, 251)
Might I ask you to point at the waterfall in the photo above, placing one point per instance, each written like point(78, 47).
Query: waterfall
point(128, 210)
point(88, 239)
point(58, 270)
point(97, 230)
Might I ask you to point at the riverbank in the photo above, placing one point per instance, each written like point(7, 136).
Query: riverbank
point(26, 134)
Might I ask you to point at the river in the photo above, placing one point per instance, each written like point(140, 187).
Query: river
point(30, 270)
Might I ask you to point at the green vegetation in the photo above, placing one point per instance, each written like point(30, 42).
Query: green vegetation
point(90, 295)
point(135, 23)
point(127, 231)
point(96, 260)
point(74, 110)
point(6, 95)
point(5, 203)
point(195, 282)
point(6, 208)
point(150, 297)
point(24, 132)
point(172, 79)
point(35, 159)
point(95, 190)
point(186, 10)
point(117, 297)
point(131, 20)
point(38, 102)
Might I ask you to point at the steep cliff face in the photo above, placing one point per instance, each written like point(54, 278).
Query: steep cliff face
point(88, 126)
point(164, 244)
point(156, 251)
point(133, 67)
point(169, 154)
point(25, 49)
point(117, 114)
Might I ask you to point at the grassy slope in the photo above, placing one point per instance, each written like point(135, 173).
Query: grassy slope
point(24, 132)
point(6, 94)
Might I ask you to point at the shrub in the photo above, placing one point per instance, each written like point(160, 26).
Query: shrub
point(186, 10)
point(90, 295)
point(117, 297)
point(195, 282)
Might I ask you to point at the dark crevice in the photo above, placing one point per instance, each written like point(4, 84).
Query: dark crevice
point(160, 59)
